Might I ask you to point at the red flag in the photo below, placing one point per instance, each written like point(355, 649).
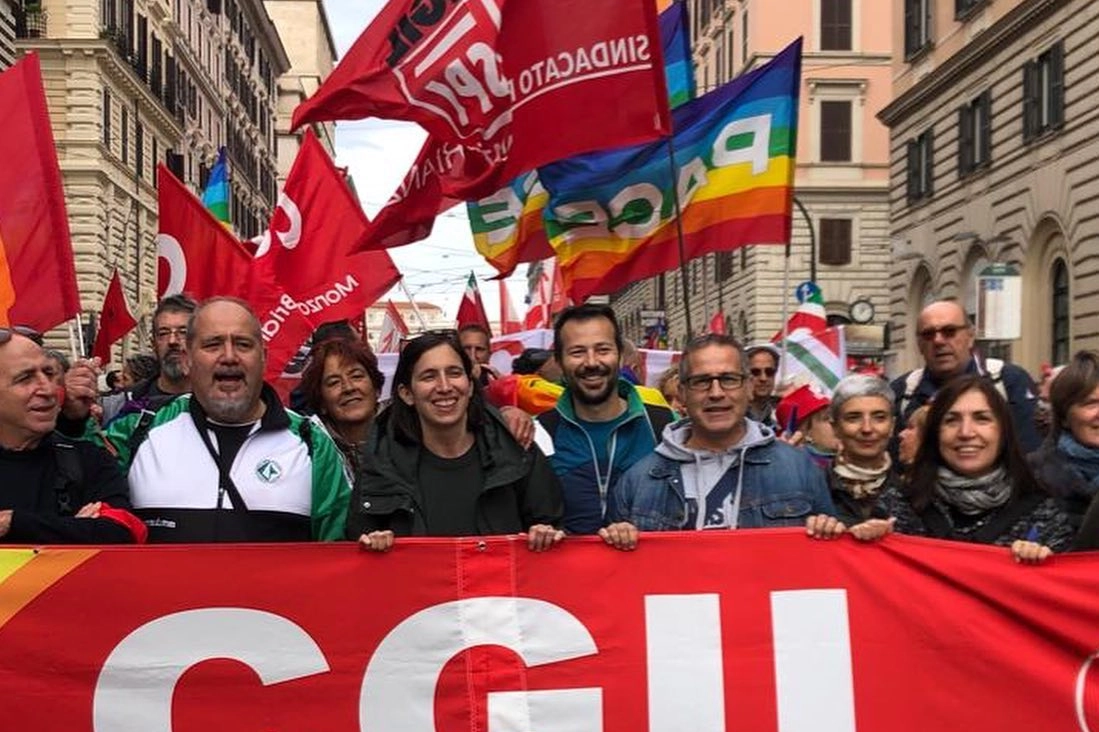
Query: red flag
point(472, 310)
point(37, 272)
point(199, 256)
point(393, 329)
point(504, 78)
point(717, 322)
point(509, 319)
point(317, 224)
point(115, 320)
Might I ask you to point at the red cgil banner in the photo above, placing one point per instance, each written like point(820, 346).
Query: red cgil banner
point(753, 630)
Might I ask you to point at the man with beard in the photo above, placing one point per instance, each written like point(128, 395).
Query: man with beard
point(945, 338)
point(600, 426)
point(227, 462)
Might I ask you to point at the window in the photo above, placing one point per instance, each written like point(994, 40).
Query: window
point(835, 242)
point(975, 134)
point(139, 150)
point(125, 136)
point(660, 299)
point(155, 159)
point(107, 118)
point(723, 266)
point(1044, 93)
point(141, 60)
point(965, 8)
point(920, 167)
point(917, 26)
point(835, 131)
point(835, 25)
point(1060, 352)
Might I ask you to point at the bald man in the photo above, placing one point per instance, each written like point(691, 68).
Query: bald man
point(945, 338)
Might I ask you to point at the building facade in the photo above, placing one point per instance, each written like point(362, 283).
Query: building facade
point(130, 83)
point(993, 160)
point(840, 229)
point(305, 32)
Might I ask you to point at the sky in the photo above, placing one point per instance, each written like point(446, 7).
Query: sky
point(378, 153)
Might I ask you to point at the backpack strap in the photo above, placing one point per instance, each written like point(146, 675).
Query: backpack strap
point(68, 477)
point(140, 431)
point(305, 432)
point(911, 383)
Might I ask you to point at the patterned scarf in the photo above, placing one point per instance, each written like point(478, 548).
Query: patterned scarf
point(973, 496)
point(1083, 459)
point(862, 482)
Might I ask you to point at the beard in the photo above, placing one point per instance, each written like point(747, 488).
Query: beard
point(230, 410)
point(172, 366)
point(594, 398)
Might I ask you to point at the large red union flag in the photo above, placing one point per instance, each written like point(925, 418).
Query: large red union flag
point(517, 82)
point(315, 229)
point(37, 272)
point(691, 632)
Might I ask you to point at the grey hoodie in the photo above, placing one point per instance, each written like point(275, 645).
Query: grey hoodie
point(703, 469)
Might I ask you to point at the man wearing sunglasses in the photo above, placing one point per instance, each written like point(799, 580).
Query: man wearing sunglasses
point(945, 338)
point(762, 367)
point(52, 490)
point(717, 469)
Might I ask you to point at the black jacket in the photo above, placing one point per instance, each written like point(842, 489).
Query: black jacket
point(1054, 471)
point(43, 496)
point(519, 491)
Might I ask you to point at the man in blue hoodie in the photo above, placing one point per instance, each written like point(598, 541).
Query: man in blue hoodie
point(600, 425)
point(717, 469)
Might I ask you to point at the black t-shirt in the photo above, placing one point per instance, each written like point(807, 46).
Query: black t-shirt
point(450, 488)
point(230, 438)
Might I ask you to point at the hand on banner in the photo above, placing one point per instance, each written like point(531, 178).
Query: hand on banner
point(89, 510)
point(520, 425)
point(823, 526)
point(541, 537)
point(81, 388)
point(872, 529)
point(622, 535)
point(1030, 552)
point(376, 541)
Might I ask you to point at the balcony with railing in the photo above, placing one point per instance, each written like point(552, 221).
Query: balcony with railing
point(30, 21)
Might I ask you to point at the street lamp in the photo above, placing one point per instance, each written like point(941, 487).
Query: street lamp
point(812, 241)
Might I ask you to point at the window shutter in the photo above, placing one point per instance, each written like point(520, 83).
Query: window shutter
point(835, 242)
point(910, 27)
point(965, 140)
point(925, 35)
point(913, 184)
point(985, 102)
point(1057, 85)
point(929, 163)
point(1030, 100)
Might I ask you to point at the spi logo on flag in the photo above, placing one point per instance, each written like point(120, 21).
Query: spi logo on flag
point(444, 58)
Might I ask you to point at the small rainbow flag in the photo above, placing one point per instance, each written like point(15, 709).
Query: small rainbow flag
point(611, 215)
point(216, 196)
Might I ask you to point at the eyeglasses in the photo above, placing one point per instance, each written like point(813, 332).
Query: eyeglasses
point(947, 331)
point(727, 382)
point(165, 334)
point(768, 371)
point(6, 334)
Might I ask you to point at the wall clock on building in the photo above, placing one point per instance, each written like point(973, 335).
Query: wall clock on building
point(861, 311)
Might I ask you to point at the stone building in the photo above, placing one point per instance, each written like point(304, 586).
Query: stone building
point(305, 32)
point(841, 178)
point(993, 160)
point(131, 83)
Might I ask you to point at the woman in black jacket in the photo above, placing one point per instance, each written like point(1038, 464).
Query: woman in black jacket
point(440, 462)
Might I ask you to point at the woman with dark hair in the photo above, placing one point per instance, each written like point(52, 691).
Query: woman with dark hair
point(441, 462)
point(341, 385)
point(1067, 463)
point(970, 482)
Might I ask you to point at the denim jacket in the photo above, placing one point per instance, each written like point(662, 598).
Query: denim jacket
point(778, 485)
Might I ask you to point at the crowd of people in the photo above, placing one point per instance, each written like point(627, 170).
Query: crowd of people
point(190, 444)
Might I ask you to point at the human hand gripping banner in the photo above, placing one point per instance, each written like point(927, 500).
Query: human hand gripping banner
point(753, 630)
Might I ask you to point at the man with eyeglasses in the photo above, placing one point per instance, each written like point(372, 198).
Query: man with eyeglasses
point(52, 490)
point(945, 338)
point(717, 469)
point(762, 367)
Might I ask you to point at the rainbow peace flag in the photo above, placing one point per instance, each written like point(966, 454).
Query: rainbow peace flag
point(216, 196)
point(507, 226)
point(611, 215)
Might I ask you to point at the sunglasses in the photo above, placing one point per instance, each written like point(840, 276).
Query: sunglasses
point(947, 331)
point(768, 371)
point(6, 334)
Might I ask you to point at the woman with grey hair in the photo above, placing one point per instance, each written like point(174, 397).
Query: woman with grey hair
point(862, 418)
